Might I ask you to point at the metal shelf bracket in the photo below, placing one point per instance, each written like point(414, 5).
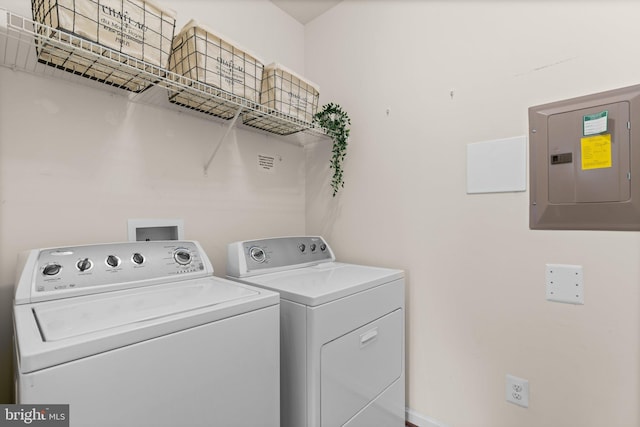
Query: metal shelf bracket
point(221, 140)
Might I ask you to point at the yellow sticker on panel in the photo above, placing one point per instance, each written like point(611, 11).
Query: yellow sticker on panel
point(596, 152)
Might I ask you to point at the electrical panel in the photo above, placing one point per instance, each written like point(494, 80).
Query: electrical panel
point(584, 158)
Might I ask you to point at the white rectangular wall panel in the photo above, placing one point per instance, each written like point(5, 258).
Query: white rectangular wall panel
point(497, 166)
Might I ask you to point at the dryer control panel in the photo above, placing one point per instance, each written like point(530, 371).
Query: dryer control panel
point(55, 273)
point(262, 256)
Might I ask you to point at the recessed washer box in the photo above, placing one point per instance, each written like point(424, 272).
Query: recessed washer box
point(155, 229)
point(584, 156)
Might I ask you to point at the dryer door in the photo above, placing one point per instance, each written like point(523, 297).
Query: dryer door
point(359, 366)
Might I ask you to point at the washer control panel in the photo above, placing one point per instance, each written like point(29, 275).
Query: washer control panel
point(98, 268)
point(274, 254)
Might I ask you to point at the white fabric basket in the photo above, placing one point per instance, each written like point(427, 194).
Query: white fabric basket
point(285, 91)
point(201, 55)
point(136, 28)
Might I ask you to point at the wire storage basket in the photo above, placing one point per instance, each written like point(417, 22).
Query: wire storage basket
point(222, 68)
point(136, 33)
point(293, 98)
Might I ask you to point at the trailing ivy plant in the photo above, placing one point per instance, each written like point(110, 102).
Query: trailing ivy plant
point(335, 121)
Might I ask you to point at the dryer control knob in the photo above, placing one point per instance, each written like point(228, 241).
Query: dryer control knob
point(112, 261)
point(84, 264)
point(51, 269)
point(182, 256)
point(257, 254)
point(137, 258)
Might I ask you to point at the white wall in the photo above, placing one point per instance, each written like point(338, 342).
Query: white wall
point(76, 162)
point(476, 294)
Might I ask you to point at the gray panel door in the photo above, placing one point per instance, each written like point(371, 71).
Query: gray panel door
point(577, 173)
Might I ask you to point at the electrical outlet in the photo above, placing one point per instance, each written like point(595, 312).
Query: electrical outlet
point(517, 391)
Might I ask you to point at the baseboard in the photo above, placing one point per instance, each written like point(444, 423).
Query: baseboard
point(422, 420)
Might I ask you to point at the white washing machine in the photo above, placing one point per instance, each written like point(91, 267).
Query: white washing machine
point(141, 334)
point(341, 332)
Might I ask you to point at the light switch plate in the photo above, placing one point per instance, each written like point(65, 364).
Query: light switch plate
point(565, 283)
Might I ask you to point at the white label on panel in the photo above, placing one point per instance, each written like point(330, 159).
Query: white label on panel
point(497, 166)
point(595, 123)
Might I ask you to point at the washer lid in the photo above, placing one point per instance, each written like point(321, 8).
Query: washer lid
point(79, 316)
point(323, 283)
point(54, 332)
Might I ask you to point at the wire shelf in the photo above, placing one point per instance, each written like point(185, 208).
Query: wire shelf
point(29, 46)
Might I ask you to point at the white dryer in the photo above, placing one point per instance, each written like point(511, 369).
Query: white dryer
point(342, 332)
point(141, 334)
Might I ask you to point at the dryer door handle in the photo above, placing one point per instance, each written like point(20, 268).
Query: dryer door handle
point(368, 337)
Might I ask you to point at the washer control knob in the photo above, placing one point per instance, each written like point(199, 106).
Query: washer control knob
point(112, 261)
point(182, 256)
point(51, 269)
point(323, 247)
point(312, 247)
point(84, 264)
point(257, 254)
point(137, 258)
point(302, 247)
